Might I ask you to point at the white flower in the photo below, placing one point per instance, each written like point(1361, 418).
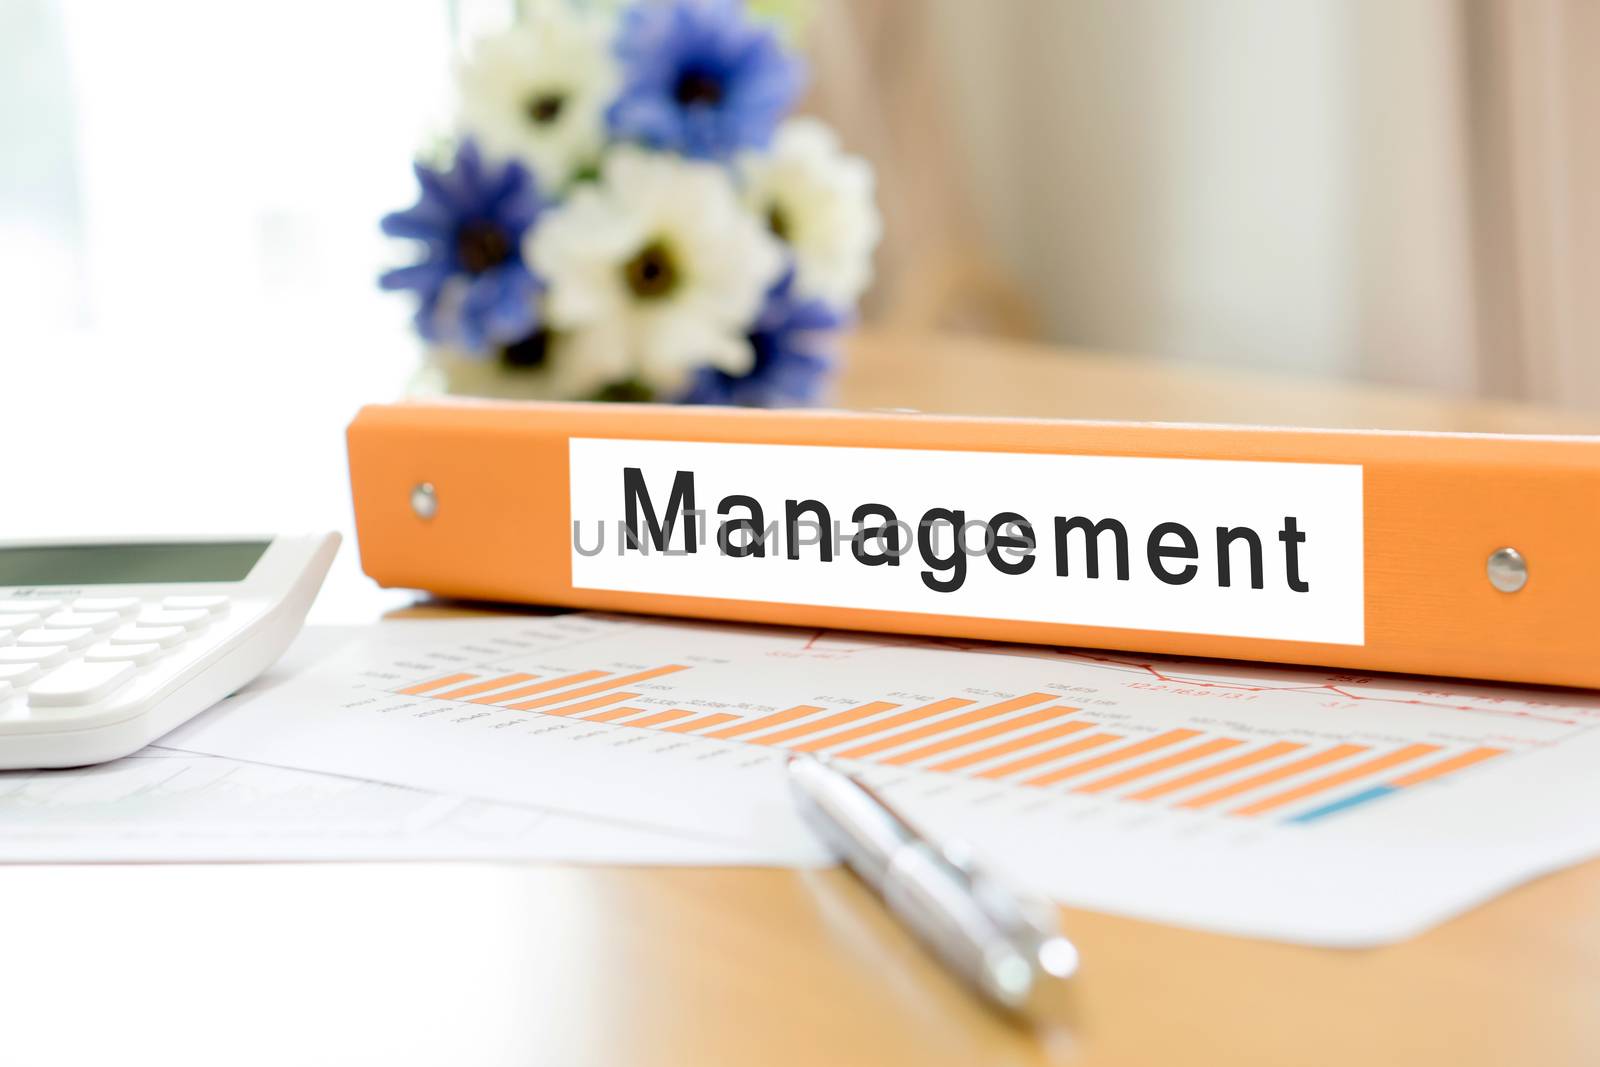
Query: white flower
point(820, 201)
point(451, 371)
point(653, 271)
point(538, 92)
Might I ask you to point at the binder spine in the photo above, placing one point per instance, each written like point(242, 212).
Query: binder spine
point(1445, 554)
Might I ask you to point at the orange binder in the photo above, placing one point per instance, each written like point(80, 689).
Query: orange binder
point(1466, 555)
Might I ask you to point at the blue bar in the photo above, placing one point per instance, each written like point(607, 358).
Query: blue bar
point(1375, 793)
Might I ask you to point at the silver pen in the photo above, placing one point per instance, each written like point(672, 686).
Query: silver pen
point(1006, 945)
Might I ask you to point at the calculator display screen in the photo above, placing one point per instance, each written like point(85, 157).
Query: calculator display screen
point(210, 561)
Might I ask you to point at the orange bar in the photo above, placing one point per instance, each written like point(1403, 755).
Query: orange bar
point(1309, 763)
point(1013, 745)
point(664, 716)
point(1443, 767)
point(850, 715)
point(483, 687)
point(437, 683)
point(584, 705)
point(1022, 764)
point(614, 713)
point(938, 707)
point(1110, 781)
point(542, 687)
point(966, 718)
point(1205, 774)
point(1328, 781)
point(583, 691)
point(982, 733)
point(1138, 748)
point(697, 724)
point(777, 718)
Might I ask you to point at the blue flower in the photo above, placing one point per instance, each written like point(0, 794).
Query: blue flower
point(793, 343)
point(473, 288)
point(701, 79)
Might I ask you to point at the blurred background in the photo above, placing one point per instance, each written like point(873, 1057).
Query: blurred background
point(1401, 192)
point(1357, 189)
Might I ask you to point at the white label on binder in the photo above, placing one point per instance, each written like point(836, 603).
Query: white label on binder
point(1224, 547)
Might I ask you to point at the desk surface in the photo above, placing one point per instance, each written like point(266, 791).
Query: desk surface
point(471, 964)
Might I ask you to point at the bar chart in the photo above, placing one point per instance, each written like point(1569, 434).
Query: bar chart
point(1310, 806)
point(1033, 740)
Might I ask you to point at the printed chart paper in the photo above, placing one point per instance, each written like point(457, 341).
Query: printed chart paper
point(160, 805)
point(1315, 807)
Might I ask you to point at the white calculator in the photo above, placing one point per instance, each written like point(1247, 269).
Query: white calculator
point(107, 645)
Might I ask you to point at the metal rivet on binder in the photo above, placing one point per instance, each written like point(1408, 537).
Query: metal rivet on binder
point(424, 501)
point(1508, 571)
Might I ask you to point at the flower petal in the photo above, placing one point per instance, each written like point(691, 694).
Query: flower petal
point(420, 276)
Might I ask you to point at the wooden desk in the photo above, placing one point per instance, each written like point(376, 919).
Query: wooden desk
point(488, 964)
point(978, 376)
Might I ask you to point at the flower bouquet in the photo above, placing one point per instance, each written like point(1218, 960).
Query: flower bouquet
point(628, 212)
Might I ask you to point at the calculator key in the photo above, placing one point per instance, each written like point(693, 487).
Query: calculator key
point(79, 683)
point(214, 605)
point(138, 655)
point(29, 606)
point(70, 638)
point(19, 620)
point(18, 675)
point(72, 620)
point(122, 605)
point(188, 620)
point(165, 636)
point(34, 655)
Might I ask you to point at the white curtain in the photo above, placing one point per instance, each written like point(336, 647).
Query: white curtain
point(1397, 192)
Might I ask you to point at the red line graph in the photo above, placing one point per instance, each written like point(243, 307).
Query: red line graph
point(1156, 670)
point(1336, 689)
